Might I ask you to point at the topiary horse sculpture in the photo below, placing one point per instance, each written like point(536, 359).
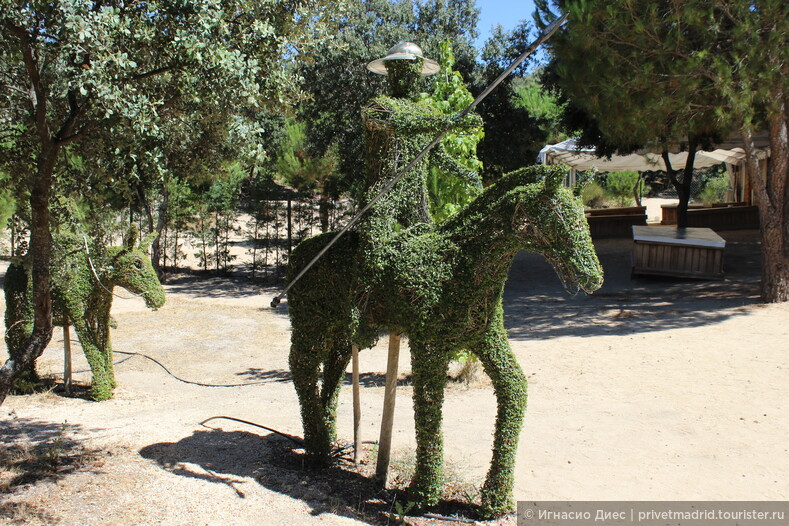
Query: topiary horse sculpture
point(443, 288)
point(82, 292)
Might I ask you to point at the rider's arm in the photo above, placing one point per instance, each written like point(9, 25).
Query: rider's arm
point(446, 163)
point(410, 117)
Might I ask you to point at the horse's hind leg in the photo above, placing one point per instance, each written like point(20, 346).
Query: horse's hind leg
point(311, 361)
point(509, 384)
point(305, 360)
point(334, 366)
point(429, 367)
point(19, 323)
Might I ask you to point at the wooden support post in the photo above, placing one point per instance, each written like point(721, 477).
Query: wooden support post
point(67, 358)
point(357, 406)
point(387, 420)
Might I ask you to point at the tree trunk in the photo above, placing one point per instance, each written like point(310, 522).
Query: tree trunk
point(163, 237)
point(637, 189)
point(216, 241)
point(13, 234)
point(175, 247)
point(323, 212)
point(256, 219)
point(146, 205)
point(41, 254)
point(775, 263)
point(161, 222)
point(226, 250)
point(771, 191)
point(682, 187)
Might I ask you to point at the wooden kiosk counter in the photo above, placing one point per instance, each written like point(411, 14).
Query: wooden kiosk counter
point(684, 253)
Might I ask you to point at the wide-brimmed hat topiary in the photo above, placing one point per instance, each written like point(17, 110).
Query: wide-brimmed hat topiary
point(404, 51)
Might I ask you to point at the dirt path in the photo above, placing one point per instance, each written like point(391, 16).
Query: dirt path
point(648, 390)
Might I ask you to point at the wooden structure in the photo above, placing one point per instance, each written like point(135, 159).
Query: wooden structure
point(685, 253)
point(615, 222)
point(357, 406)
point(387, 418)
point(719, 216)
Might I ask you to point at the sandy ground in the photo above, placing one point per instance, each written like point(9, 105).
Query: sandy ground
point(654, 210)
point(651, 389)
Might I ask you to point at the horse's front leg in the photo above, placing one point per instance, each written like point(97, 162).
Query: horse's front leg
point(429, 367)
point(101, 384)
point(509, 384)
point(104, 341)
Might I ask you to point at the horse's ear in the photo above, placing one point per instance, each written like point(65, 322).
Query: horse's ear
point(554, 177)
point(131, 236)
point(145, 244)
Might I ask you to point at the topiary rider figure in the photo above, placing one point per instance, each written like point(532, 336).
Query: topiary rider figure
point(396, 129)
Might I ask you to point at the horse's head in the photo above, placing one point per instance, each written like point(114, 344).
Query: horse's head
point(551, 221)
point(132, 269)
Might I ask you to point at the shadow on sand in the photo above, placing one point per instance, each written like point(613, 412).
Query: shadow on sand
point(208, 285)
point(536, 306)
point(32, 450)
point(232, 458)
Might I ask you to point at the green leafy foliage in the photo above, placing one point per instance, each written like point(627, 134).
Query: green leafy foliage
point(294, 166)
point(630, 70)
point(621, 187)
point(447, 192)
point(715, 188)
point(628, 64)
point(513, 137)
point(442, 286)
point(82, 293)
point(308, 173)
point(339, 84)
point(592, 194)
point(117, 69)
point(7, 201)
point(543, 106)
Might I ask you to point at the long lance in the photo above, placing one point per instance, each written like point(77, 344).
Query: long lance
point(545, 35)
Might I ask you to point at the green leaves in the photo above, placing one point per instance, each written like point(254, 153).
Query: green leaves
point(295, 166)
point(447, 192)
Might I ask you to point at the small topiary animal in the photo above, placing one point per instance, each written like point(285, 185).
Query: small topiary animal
point(82, 285)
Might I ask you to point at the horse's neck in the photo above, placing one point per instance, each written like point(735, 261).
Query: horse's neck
point(99, 271)
point(494, 227)
point(487, 232)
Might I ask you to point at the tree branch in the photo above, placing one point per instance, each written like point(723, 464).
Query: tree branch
point(669, 170)
point(154, 72)
point(38, 97)
point(75, 136)
point(758, 182)
point(77, 111)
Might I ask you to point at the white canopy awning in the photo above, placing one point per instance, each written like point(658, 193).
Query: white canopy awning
point(568, 152)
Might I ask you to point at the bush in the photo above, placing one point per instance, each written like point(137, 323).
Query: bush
point(619, 187)
point(593, 195)
point(715, 189)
